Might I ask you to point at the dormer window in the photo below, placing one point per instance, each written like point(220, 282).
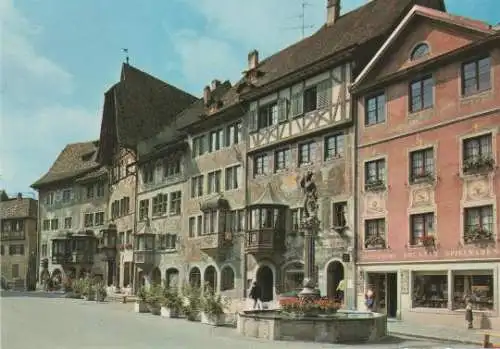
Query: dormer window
point(420, 51)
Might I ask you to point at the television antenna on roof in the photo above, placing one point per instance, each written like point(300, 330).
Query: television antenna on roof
point(125, 50)
point(302, 17)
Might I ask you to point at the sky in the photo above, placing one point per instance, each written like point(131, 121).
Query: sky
point(58, 57)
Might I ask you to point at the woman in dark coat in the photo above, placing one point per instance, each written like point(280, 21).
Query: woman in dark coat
point(256, 295)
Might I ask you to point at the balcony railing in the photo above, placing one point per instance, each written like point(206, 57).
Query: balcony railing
point(263, 240)
point(214, 242)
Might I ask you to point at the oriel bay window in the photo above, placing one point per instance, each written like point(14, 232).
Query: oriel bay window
point(266, 226)
point(265, 217)
point(430, 289)
point(475, 285)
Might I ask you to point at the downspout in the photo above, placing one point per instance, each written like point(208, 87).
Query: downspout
point(245, 167)
point(354, 111)
point(136, 186)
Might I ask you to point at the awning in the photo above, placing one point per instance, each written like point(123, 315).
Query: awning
point(214, 203)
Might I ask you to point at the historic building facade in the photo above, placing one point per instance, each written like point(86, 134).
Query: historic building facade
point(19, 240)
point(134, 109)
point(428, 114)
point(300, 120)
point(73, 198)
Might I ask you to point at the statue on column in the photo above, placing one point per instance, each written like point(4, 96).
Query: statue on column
point(310, 197)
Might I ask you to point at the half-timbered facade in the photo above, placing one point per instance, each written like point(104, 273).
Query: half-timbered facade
point(429, 114)
point(300, 119)
point(73, 197)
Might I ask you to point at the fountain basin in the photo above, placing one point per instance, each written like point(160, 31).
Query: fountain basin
point(342, 327)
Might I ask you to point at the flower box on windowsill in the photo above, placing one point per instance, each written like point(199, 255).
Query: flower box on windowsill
point(479, 165)
point(375, 242)
point(426, 177)
point(376, 185)
point(477, 235)
point(428, 241)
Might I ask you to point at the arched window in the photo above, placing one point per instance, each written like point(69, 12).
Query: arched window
point(195, 277)
point(420, 51)
point(227, 279)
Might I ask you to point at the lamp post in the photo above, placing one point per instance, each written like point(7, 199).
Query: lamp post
point(310, 226)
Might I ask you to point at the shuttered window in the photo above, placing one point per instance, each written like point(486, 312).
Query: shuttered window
point(252, 120)
point(323, 94)
point(282, 109)
point(297, 104)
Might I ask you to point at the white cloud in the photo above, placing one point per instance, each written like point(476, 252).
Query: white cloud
point(35, 124)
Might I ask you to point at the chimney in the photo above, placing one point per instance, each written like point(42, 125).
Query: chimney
point(206, 95)
point(19, 196)
point(253, 59)
point(332, 11)
point(215, 84)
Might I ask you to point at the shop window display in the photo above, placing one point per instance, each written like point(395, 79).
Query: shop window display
point(477, 286)
point(430, 290)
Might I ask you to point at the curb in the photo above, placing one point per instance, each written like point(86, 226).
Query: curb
point(435, 338)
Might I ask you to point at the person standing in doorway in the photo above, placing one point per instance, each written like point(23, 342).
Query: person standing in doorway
point(256, 295)
point(341, 291)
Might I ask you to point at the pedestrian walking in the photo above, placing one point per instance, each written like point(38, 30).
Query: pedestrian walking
point(256, 295)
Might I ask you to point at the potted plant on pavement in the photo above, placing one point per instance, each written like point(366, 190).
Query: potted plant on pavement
point(153, 299)
point(191, 302)
point(88, 291)
point(212, 308)
point(171, 303)
point(140, 304)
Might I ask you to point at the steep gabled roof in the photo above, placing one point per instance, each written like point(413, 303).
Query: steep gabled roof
point(370, 21)
point(18, 208)
point(467, 23)
point(76, 159)
point(137, 107)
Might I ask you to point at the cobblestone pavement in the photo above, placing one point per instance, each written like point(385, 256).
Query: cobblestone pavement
point(44, 321)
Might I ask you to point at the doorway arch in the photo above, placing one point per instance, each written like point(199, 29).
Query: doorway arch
point(334, 274)
point(172, 278)
point(210, 278)
point(195, 277)
point(140, 277)
point(156, 276)
point(265, 279)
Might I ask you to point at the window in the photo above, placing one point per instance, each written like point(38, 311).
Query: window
point(216, 140)
point(318, 96)
point(206, 223)
point(66, 197)
point(339, 218)
point(477, 153)
point(16, 250)
point(234, 221)
point(265, 218)
point(297, 218)
point(476, 76)
point(44, 250)
point(478, 223)
point(121, 238)
point(199, 147)
point(268, 115)
point(100, 189)
point(128, 236)
point(88, 220)
point(213, 221)
point(89, 191)
point(175, 203)
point(15, 271)
point(54, 224)
point(99, 218)
point(261, 164)
point(171, 167)
point(199, 225)
point(420, 51)
point(282, 159)
point(375, 233)
point(227, 279)
point(375, 109)
point(143, 209)
point(49, 198)
point(160, 204)
point(306, 153)
point(192, 227)
point(233, 134)
point(68, 222)
point(334, 147)
point(375, 172)
point(148, 171)
point(422, 164)
point(197, 186)
point(214, 182)
point(422, 225)
point(233, 177)
point(310, 99)
point(430, 290)
point(167, 241)
point(421, 96)
point(123, 206)
point(476, 285)
point(46, 224)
